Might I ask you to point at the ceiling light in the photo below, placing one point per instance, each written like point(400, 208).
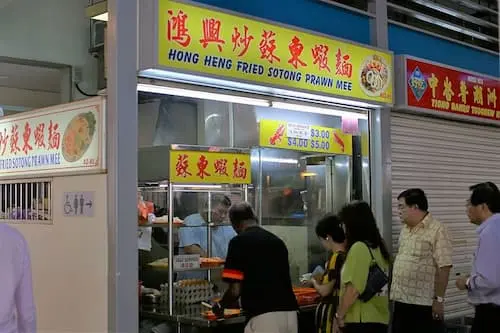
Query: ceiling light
point(98, 11)
point(313, 109)
point(101, 17)
point(201, 94)
point(196, 186)
point(308, 174)
point(273, 91)
point(279, 160)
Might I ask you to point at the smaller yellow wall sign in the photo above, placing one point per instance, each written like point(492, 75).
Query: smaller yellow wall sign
point(203, 167)
point(301, 137)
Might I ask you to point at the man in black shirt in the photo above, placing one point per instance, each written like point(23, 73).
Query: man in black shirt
point(258, 271)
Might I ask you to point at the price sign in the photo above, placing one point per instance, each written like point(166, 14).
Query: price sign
point(310, 138)
point(299, 131)
point(186, 261)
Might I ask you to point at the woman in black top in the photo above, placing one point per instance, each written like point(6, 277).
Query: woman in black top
point(331, 235)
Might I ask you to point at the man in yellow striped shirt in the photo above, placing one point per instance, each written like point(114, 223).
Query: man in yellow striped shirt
point(422, 267)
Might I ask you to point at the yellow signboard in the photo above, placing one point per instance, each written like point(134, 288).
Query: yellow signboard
point(196, 39)
point(202, 167)
point(280, 134)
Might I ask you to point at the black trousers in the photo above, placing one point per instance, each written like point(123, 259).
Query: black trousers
point(487, 319)
point(365, 328)
point(410, 318)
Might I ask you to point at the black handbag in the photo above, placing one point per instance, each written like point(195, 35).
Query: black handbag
point(376, 281)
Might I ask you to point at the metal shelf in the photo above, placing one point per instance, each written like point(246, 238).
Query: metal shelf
point(165, 225)
point(199, 269)
point(165, 192)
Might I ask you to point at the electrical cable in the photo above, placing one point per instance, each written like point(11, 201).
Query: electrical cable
point(83, 92)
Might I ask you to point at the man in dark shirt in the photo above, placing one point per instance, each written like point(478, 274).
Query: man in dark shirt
point(258, 271)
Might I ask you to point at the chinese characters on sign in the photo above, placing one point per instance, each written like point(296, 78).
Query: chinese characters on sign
point(209, 167)
point(51, 140)
point(433, 87)
point(202, 40)
point(280, 134)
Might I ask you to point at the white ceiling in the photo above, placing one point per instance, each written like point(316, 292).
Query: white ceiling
point(30, 77)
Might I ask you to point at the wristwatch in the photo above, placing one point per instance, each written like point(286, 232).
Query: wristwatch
point(439, 299)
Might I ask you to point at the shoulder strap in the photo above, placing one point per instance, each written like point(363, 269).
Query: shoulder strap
point(333, 260)
point(370, 250)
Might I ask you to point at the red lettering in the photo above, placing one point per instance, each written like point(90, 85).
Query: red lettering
point(239, 169)
point(343, 66)
point(296, 48)
point(40, 135)
point(4, 139)
point(182, 166)
point(202, 167)
point(220, 166)
point(211, 33)
point(320, 56)
point(14, 139)
point(177, 30)
point(54, 136)
point(26, 138)
point(241, 41)
point(267, 46)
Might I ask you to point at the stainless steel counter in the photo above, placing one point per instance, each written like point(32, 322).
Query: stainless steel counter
point(192, 315)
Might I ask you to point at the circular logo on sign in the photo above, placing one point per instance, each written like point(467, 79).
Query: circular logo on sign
point(78, 136)
point(374, 76)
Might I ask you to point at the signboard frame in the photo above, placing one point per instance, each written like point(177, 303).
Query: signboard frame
point(99, 103)
point(150, 67)
point(209, 169)
point(401, 92)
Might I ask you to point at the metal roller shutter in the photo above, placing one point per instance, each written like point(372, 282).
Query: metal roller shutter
point(444, 158)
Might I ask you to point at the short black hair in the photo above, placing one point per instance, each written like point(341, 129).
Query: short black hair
point(241, 212)
point(330, 226)
point(485, 193)
point(415, 197)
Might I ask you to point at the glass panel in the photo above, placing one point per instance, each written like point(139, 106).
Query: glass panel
point(291, 190)
point(297, 190)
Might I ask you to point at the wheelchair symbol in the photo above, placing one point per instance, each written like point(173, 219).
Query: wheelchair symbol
point(68, 208)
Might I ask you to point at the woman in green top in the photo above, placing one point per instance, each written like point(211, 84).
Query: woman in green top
point(363, 241)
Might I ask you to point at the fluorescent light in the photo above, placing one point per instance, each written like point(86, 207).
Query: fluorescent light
point(201, 94)
point(194, 186)
point(101, 17)
point(341, 164)
point(314, 109)
point(308, 174)
point(279, 160)
point(221, 83)
point(98, 11)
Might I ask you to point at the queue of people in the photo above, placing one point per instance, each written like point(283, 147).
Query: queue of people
point(358, 284)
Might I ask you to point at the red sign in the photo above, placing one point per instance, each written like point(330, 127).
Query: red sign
point(433, 87)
